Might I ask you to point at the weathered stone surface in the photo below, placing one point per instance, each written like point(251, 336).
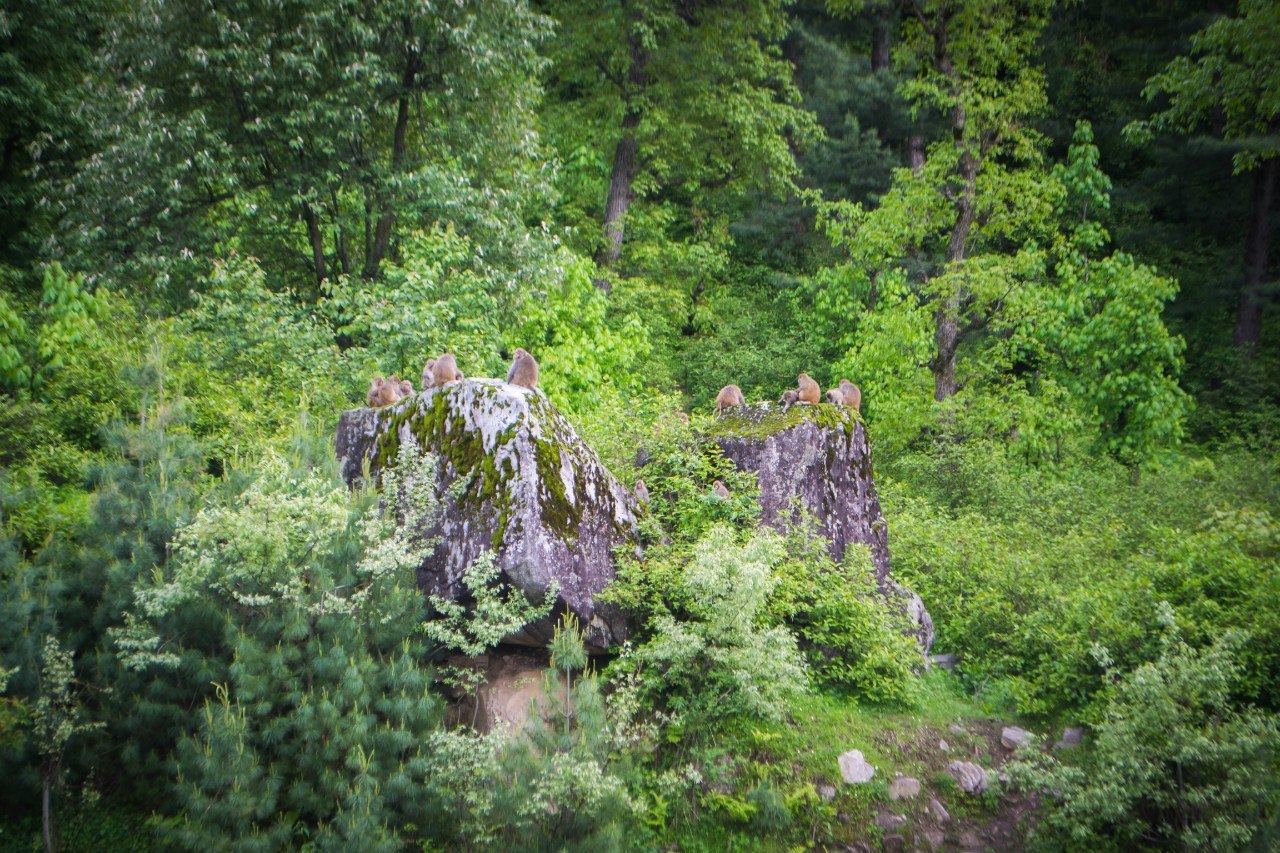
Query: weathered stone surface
point(511, 694)
point(938, 811)
point(947, 661)
point(1072, 736)
point(819, 455)
point(971, 778)
point(515, 479)
point(827, 792)
point(904, 788)
point(855, 769)
point(1012, 737)
point(888, 820)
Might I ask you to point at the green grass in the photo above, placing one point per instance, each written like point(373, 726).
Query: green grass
point(799, 754)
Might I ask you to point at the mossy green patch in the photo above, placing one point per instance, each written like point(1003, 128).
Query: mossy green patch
point(761, 420)
point(442, 430)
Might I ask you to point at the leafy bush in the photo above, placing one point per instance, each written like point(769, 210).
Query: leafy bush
point(1026, 570)
point(853, 637)
point(721, 658)
point(1172, 763)
point(311, 613)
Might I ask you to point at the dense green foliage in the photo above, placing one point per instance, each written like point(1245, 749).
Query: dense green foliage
point(1038, 235)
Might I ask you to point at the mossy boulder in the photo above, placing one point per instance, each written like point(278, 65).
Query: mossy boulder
point(819, 458)
point(515, 479)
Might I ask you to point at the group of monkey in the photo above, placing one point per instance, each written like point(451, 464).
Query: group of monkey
point(524, 371)
point(846, 394)
point(807, 391)
point(443, 370)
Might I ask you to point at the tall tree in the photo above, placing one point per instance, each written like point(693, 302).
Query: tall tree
point(688, 94)
point(313, 129)
point(1230, 83)
point(45, 49)
point(973, 63)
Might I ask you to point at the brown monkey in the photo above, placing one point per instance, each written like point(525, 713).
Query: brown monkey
point(383, 392)
point(835, 396)
point(720, 491)
point(375, 392)
point(788, 399)
point(809, 390)
point(406, 388)
point(642, 492)
point(730, 395)
point(852, 395)
point(445, 370)
point(427, 379)
point(524, 370)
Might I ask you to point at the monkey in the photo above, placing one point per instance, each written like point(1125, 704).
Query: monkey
point(445, 370)
point(524, 370)
point(730, 395)
point(852, 395)
point(427, 379)
point(835, 397)
point(788, 399)
point(383, 392)
point(642, 492)
point(809, 390)
point(375, 392)
point(406, 388)
point(720, 491)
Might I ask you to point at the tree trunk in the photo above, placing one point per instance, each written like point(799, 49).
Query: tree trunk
point(620, 194)
point(47, 829)
point(1256, 250)
point(947, 318)
point(915, 153)
point(382, 232)
point(624, 161)
point(317, 241)
point(881, 37)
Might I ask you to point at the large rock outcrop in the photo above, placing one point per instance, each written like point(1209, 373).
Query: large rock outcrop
point(818, 457)
point(515, 479)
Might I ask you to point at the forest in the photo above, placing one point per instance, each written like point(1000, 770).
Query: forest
point(1035, 233)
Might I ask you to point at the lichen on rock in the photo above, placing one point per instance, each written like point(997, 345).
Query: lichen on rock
point(817, 458)
point(516, 479)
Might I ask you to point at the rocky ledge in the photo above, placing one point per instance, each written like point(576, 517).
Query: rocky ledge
point(514, 479)
point(817, 459)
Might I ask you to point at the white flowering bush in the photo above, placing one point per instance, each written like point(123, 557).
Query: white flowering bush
point(722, 658)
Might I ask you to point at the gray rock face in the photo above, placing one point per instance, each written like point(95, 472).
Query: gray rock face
point(855, 769)
point(1012, 737)
point(971, 778)
point(819, 455)
point(514, 479)
point(1072, 736)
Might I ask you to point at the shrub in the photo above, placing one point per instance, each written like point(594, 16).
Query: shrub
point(1172, 763)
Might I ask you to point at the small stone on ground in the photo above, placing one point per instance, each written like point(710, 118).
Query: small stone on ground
point(855, 769)
point(971, 778)
point(904, 787)
point(1072, 736)
point(1012, 737)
